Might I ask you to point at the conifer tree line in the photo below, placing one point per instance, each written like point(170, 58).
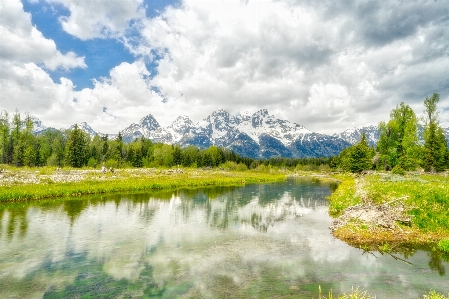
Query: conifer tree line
point(75, 148)
point(398, 148)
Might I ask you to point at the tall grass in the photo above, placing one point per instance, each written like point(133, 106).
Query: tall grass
point(344, 196)
point(130, 182)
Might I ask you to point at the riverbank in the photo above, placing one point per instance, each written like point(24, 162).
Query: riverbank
point(388, 213)
point(24, 184)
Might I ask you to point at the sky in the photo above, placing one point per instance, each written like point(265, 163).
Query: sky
point(327, 65)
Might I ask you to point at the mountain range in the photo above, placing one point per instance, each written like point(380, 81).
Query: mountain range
point(258, 135)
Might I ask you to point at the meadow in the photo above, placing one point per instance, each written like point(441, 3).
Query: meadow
point(23, 184)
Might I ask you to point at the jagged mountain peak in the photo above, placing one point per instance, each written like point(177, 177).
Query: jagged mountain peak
point(354, 135)
point(261, 113)
point(38, 126)
point(182, 120)
point(86, 128)
point(149, 122)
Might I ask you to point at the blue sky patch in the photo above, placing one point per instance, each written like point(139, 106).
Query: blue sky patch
point(101, 55)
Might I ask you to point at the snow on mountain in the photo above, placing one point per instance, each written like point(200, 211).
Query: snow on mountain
point(142, 129)
point(87, 129)
point(257, 135)
point(354, 135)
point(38, 127)
point(262, 123)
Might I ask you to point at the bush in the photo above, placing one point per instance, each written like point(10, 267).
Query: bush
point(398, 170)
point(92, 163)
point(53, 160)
point(111, 163)
point(241, 167)
point(229, 165)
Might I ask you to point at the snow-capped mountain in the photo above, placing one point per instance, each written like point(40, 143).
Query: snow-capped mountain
point(354, 135)
point(141, 129)
point(258, 135)
point(87, 129)
point(38, 127)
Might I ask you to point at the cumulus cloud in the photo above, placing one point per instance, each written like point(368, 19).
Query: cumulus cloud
point(23, 43)
point(98, 19)
point(327, 65)
point(315, 63)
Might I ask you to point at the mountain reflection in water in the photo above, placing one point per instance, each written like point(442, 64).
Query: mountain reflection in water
point(257, 241)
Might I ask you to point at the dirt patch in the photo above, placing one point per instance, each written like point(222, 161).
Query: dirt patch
point(384, 216)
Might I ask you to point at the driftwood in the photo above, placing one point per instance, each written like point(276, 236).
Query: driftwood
point(385, 215)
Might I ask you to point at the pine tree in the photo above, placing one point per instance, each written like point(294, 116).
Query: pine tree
point(4, 137)
point(361, 156)
point(435, 146)
point(76, 148)
point(356, 158)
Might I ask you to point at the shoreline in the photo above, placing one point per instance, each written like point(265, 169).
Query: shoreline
point(28, 185)
point(420, 198)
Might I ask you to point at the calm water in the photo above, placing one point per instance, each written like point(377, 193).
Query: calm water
point(244, 242)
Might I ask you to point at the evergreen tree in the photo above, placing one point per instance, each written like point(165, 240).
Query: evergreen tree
point(398, 141)
point(177, 155)
point(30, 152)
point(4, 137)
point(76, 148)
point(357, 158)
point(435, 146)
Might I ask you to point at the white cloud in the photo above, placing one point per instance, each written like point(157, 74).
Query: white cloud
point(93, 18)
point(22, 43)
point(319, 64)
point(286, 58)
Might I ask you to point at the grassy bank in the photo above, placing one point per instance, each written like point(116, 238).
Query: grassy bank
point(22, 185)
point(425, 198)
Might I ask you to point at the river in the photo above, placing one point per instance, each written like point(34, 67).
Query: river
point(256, 241)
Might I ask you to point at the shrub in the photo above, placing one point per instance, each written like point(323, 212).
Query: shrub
point(241, 167)
point(398, 170)
point(92, 162)
point(111, 163)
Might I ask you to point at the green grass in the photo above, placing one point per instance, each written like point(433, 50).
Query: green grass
point(344, 196)
point(444, 245)
point(428, 197)
point(425, 196)
point(132, 181)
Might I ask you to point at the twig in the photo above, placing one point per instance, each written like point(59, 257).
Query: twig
point(399, 259)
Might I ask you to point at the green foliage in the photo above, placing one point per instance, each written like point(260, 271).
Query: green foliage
point(121, 181)
point(357, 158)
point(444, 245)
point(92, 163)
point(344, 196)
point(435, 146)
point(77, 148)
point(241, 167)
point(398, 140)
point(398, 170)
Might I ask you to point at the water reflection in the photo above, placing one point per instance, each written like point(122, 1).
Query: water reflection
point(254, 241)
